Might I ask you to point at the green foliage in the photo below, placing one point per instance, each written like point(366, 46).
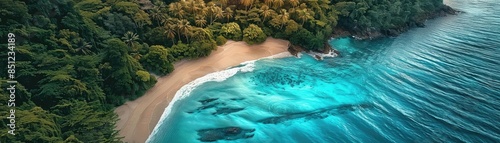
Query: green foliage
point(89, 5)
point(158, 60)
point(254, 35)
point(36, 125)
point(156, 36)
point(180, 51)
point(129, 8)
point(72, 139)
point(363, 15)
point(292, 27)
point(84, 121)
point(204, 47)
point(143, 75)
point(221, 40)
point(117, 23)
point(231, 31)
point(13, 13)
point(307, 39)
point(121, 78)
point(194, 50)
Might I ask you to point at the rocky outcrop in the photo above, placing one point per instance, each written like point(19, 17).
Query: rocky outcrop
point(294, 50)
point(326, 51)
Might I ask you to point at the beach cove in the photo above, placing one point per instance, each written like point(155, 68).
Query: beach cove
point(434, 84)
point(139, 117)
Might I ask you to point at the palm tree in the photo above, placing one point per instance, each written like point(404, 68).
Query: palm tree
point(176, 9)
point(184, 28)
point(228, 13)
point(84, 47)
point(211, 11)
point(129, 38)
point(281, 19)
point(215, 13)
point(156, 14)
point(265, 12)
point(285, 16)
point(222, 3)
point(278, 3)
point(268, 2)
point(294, 3)
point(203, 12)
point(168, 21)
point(160, 4)
point(219, 13)
point(170, 32)
point(304, 15)
point(200, 4)
point(192, 6)
point(247, 3)
point(200, 21)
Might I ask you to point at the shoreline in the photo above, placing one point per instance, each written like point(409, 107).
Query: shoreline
point(138, 118)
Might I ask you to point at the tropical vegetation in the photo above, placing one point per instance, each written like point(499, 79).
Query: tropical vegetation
point(76, 60)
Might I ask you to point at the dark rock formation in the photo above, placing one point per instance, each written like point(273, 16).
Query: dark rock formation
point(336, 52)
point(294, 50)
point(220, 106)
point(326, 47)
point(318, 57)
point(449, 10)
point(207, 100)
point(227, 133)
point(237, 99)
point(207, 105)
point(226, 110)
point(317, 114)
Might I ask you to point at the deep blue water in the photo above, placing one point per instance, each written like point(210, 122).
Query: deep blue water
point(435, 84)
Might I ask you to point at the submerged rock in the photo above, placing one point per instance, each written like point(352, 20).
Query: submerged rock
point(207, 106)
point(318, 57)
point(317, 114)
point(207, 100)
point(227, 133)
point(226, 110)
point(237, 99)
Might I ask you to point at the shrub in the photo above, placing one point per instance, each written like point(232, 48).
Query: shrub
point(203, 48)
point(231, 31)
point(253, 34)
point(194, 50)
point(158, 61)
point(221, 40)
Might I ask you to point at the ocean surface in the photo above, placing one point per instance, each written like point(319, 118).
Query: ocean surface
point(440, 83)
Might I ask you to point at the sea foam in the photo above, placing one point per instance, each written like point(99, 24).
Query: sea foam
point(330, 54)
point(219, 76)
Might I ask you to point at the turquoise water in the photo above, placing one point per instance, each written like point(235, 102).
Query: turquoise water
point(435, 84)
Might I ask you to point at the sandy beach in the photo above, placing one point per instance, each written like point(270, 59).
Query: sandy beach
point(138, 118)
